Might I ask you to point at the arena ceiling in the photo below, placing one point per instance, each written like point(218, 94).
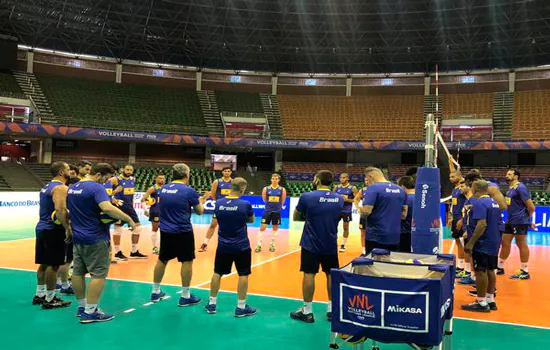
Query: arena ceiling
point(306, 36)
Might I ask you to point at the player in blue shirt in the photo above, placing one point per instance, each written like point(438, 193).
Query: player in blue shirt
point(320, 209)
point(50, 246)
point(88, 202)
point(151, 198)
point(84, 168)
point(123, 196)
point(232, 214)
point(385, 205)
point(358, 203)
point(484, 244)
point(457, 228)
point(177, 201)
point(348, 191)
point(520, 214)
point(220, 189)
point(274, 198)
point(408, 183)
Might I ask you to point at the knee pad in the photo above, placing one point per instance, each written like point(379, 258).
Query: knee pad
point(117, 230)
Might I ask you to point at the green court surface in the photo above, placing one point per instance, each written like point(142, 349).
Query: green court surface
point(165, 326)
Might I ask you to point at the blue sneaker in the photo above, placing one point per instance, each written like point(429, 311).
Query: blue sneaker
point(211, 308)
point(467, 281)
point(156, 297)
point(58, 287)
point(192, 300)
point(521, 275)
point(66, 291)
point(500, 271)
point(97, 316)
point(247, 311)
point(79, 312)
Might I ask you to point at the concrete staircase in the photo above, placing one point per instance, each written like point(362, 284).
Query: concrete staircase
point(4, 185)
point(31, 88)
point(41, 171)
point(503, 113)
point(18, 178)
point(211, 113)
point(270, 105)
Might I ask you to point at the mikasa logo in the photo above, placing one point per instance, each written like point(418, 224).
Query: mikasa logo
point(402, 309)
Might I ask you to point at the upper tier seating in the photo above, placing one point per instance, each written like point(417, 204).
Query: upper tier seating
point(239, 102)
point(531, 115)
point(9, 86)
point(352, 118)
point(90, 103)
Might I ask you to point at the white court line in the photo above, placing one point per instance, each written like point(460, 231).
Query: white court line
point(129, 310)
point(148, 304)
point(452, 247)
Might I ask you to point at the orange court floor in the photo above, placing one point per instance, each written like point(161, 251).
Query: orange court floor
point(276, 274)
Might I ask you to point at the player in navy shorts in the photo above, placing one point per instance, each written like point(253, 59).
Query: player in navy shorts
point(274, 197)
point(520, 213)
point(151, 198)
point(348, 191)
point(357, 202)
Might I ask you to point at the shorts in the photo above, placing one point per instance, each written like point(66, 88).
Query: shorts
point(224, 262)
point(154, 217)
point(309, 262)
point(363, 223)
point(405, 243)
point(94, 259)
point(273, 218)
point(50, 247)
point(131, 212)
point(177, 245)
point(345, 216)
point(456, 233)
point(370, 245)
point(520, 230)
point(484, 262)
point(69, 254)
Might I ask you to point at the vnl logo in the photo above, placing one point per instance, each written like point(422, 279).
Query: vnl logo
point(358, 305)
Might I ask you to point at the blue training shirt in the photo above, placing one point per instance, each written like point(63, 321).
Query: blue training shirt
point(322, 210)
point(274, 199)
point(347, 193)
point(232, 214)
point(47, 206)
point(176, 201)
point(517, 210)
point(406, 224)
point(83, 204)
point(224, 188)
point(486, 208)
point(384, 223)
point(128, 190)
point(467, 222)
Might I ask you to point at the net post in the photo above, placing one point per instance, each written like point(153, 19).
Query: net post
point(429, 147)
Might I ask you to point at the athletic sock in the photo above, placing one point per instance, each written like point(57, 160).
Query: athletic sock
point(482, 301)
point(90, 308)
point(65, 285)
point(468, 267)
point(186, 292)
point(41, 290)
point(156, 288)
point(58, 281)
point(154, 239)
point(81, 302)
point(344, 240)
point(460, 263)
point(134, 247)
point(329, 306)
point(501, 263)
point(213, 300)
point(490, 298)
point(308, 308)
point(525, 267)
point(260, 238)
point(50, 294)
point(241, 304)
point(364, 251)
point(117, 249)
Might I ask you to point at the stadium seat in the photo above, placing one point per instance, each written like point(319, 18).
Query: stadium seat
point(9, 86)
point(531, 115)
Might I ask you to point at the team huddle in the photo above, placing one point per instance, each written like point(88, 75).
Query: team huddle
point(79, 205)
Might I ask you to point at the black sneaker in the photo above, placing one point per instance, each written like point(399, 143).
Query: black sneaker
point(300, 316)
point(120, 256)
point(137, 255)
point(493, 306)
point(342, 248)
point(329, 316)
point(56, 303)
point(38, 300)
point(473, 292)
point(500, 271)
point(476, 307)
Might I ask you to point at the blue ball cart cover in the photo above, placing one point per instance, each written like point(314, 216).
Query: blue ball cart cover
point(393, 302)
